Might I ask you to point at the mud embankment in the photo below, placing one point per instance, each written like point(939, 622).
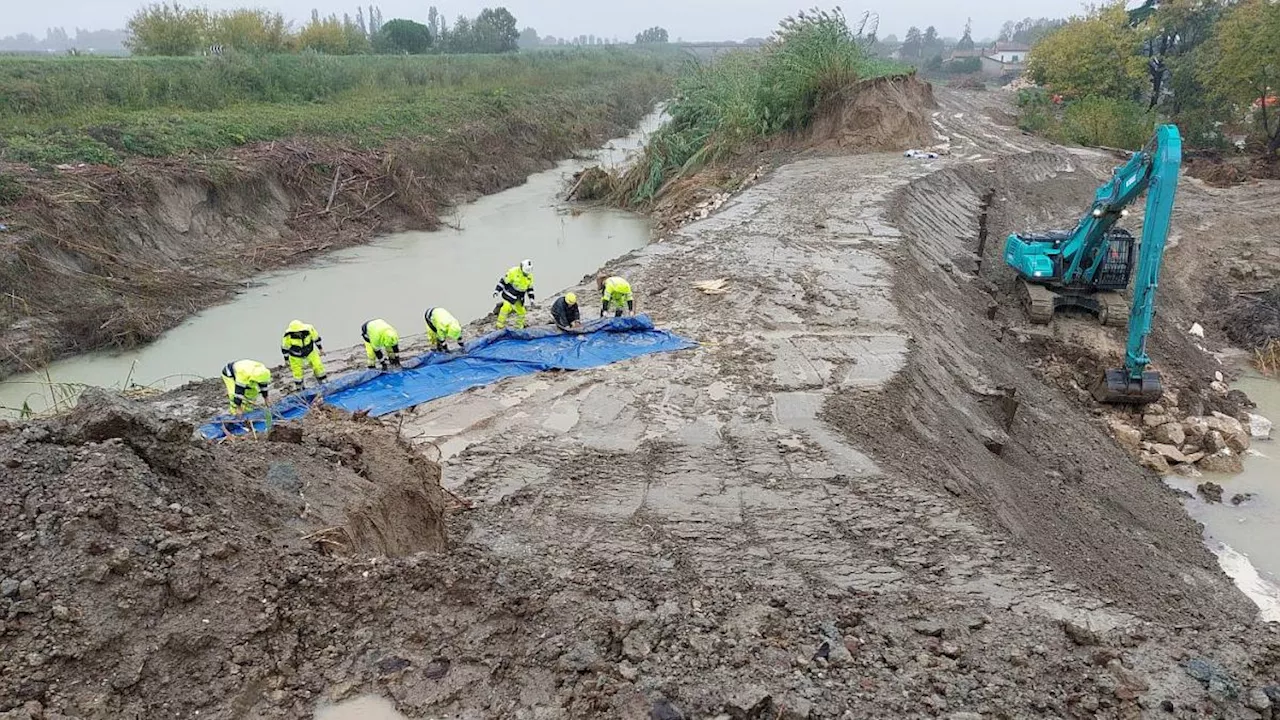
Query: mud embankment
point(980, 391)
point(98, 257)
point(133, 556)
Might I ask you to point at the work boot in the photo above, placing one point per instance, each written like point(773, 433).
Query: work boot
point(385, 366)
point(298, 385)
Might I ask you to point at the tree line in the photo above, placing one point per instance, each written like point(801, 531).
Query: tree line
point(58, 40)
point(1212, 66)
point(172, 29)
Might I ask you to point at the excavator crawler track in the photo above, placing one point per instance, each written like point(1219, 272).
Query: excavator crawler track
point(1113, 309)
point(1039, 302)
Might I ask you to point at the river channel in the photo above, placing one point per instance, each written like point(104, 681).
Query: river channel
point(395, 277)
point(1246, 537)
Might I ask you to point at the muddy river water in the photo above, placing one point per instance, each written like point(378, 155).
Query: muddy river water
point(1246, 537)
point(395, 277)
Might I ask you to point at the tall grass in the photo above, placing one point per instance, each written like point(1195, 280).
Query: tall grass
point(99, 109)
point(750, 95)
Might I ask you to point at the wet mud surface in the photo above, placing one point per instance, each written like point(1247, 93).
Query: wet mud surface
point(827, 510)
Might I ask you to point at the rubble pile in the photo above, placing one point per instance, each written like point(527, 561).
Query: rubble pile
point(1180, 436)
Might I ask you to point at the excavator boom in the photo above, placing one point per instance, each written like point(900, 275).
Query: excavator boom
point(1135, 383)
point(1085, 267)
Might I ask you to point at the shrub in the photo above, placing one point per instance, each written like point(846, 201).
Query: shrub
point(748, 95)
point(1108, 122)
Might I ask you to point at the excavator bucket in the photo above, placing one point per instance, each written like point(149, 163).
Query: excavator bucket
point(1117, 388)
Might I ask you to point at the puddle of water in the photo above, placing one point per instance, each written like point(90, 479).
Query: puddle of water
point(1246, 538)
point(369, 707)
point(396, 277)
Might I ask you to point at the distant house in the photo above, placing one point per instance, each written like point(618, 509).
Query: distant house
point(1000, 59)
point(1008, 53)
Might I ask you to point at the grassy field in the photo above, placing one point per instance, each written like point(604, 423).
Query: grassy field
point(747, 96)
point(102, 110)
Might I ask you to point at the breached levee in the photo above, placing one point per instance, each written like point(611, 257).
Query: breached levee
point(973, 416)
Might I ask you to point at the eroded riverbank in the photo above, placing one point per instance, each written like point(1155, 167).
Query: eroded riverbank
point(395, 277)
point(104, 257)
point(824, 511)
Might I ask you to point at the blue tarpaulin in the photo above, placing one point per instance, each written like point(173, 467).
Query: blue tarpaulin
point(498, 355)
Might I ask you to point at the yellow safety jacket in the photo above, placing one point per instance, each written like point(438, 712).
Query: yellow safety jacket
point(443, 324)
point(617, 292)
point(247, 376)
point(300, 342)
point(515, 286)
point(380, 334)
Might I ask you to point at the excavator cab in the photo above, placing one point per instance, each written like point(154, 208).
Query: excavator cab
point(1117, 264)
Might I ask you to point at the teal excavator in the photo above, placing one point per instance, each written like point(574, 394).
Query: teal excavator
point(1087, 267)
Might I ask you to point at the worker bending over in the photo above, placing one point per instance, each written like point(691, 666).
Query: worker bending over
point(516, 290)
point(616, 294)
point(301, 343)
point(381, 343)
point(246, 380)
point(442, 327)
point(565, 313)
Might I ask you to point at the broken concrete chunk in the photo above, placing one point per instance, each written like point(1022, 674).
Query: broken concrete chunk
point(1237, 438)
point(1259, 427)
point(1195, 428)
point(1156, 462)
point(1126, 435)
point(1170, 434)
point(1154, 421)
point(1169, 452)
point(1226, 463)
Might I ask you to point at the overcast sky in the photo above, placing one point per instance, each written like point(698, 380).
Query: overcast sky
point(688, 19)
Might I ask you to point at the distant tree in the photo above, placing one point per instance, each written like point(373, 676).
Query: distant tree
point(360, 23)
point(930, 36)
point(966, 40)
point(914, 44)
point(964, 66)
point(331, 36)
point(1093, 55)
point(165, 29)
point(458, 39)
point(496, 31)
point(934, 63)
point(529, 39)
point(1027, 31)
point(433, 21)
point(251, 31)
point(403, 37)
point(1243, 66)
point(653, 35)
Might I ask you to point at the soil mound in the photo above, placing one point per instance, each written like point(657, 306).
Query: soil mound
point(135, 559)
point(878, 115)
point(1253, 321)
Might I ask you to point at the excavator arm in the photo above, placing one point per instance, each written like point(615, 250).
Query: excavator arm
point(1161, 159)
point(1086, 267)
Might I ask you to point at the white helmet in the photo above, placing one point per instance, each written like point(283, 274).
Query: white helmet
point(526, 266)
